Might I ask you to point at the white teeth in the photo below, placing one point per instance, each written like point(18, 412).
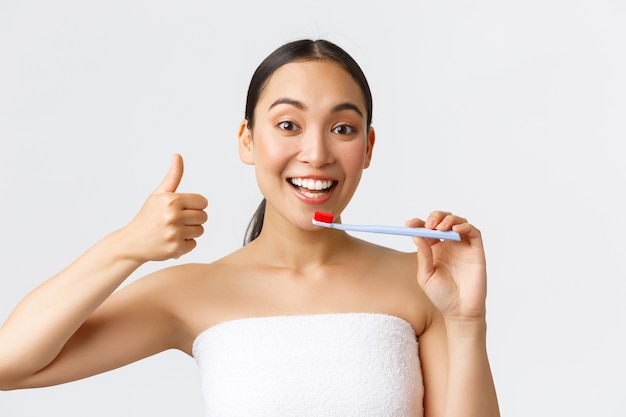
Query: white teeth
point(312, 195)
point(314, 185)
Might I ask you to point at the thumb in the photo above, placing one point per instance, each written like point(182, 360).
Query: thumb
point(424, 259)
point(173, 176)
point(424, 253)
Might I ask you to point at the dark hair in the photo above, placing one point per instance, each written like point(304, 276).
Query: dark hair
point(297, 51)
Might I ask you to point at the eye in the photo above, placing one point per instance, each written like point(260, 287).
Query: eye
point(287, 125)
point(344, 130)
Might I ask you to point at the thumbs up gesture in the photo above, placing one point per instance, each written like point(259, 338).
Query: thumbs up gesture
point(169, 222)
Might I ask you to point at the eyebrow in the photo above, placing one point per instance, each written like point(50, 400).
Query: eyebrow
point(286, 100)
point(299, 105)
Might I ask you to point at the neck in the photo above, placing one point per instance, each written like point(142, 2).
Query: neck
point(286, 245)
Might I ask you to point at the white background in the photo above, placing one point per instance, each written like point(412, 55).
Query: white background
point(508, 113)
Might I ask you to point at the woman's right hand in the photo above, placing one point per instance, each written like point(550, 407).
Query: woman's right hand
point(74, 327)
point(168, 223)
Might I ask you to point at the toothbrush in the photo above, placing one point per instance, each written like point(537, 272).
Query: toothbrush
point(326, 220)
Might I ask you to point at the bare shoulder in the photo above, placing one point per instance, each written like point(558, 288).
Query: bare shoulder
point(407, 259)
point(387, 263)
point(373, 278)
point(191, 297)
point(394, 275)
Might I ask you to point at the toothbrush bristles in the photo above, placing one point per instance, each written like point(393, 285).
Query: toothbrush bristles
point(321, 216)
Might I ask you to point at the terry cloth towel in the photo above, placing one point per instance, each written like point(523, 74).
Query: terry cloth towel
point(344, 364)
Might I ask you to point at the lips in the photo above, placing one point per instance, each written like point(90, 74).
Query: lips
point(312, 188)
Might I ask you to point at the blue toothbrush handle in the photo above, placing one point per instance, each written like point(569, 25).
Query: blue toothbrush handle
point(393, 230)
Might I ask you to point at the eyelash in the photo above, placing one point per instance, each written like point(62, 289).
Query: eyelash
point(282, 125)
point(291, 126)
point(351, 129)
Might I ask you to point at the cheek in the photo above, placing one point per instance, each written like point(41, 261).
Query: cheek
point(356, 157)
point(267, 152)
point(270, 154)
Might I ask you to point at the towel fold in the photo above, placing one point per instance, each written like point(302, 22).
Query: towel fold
point(344, 364)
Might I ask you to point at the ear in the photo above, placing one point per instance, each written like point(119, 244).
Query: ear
point(245, 144)
point(371, 139)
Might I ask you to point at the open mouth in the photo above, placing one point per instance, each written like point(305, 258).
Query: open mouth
point(312, 188)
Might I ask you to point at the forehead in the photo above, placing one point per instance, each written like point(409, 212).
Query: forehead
point(313, 82)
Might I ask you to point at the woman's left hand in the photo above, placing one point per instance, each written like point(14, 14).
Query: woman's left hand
point(452, 273)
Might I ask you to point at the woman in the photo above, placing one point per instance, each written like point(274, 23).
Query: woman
point(302, 320)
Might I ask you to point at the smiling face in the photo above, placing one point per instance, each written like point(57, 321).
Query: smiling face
point(310, 141)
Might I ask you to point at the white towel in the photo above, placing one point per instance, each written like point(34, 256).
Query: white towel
point(344, 364)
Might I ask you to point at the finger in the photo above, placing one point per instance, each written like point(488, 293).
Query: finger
point(193, 217)
point(467, 230)
point(449, 221)
point(172, 178)
point(191, 201)
point(414, 223)
point(192, 232)
point(435, 218)
point(443, 220)
point(420, 223)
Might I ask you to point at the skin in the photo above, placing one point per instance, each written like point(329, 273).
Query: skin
point(309, 123)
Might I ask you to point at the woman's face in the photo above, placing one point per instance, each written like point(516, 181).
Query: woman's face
point(310, 142)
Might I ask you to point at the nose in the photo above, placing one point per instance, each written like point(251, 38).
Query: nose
point(316, 149)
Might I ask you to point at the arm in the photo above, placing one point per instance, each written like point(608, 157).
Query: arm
point(471, 388)
point(457, 374)
point(62, 330)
